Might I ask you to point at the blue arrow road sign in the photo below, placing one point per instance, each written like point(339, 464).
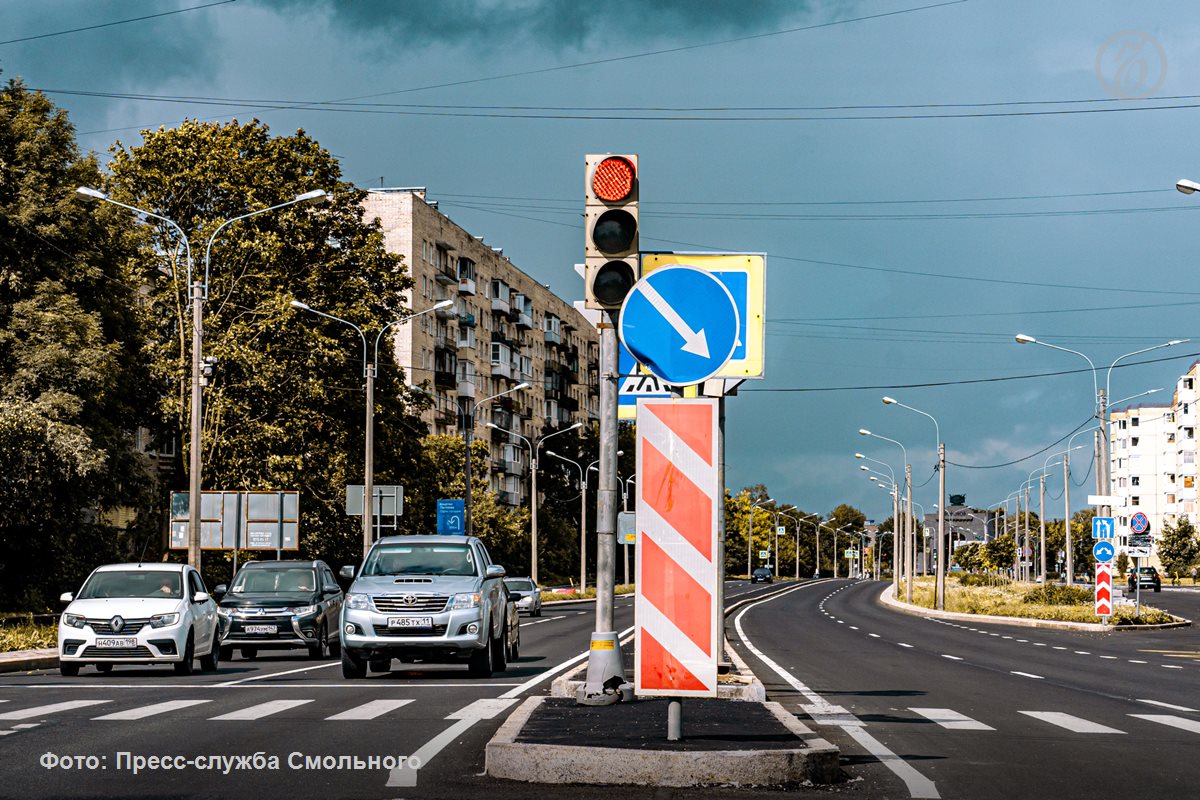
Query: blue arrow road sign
point(1103, 550)
point(1103, 528)
point(451, 517)
point(681, 323)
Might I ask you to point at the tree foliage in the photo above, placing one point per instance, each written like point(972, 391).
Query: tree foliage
point(1178, 548)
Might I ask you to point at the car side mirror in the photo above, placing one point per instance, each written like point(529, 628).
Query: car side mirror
point(66, 597)
point(516, 597)
point(330, 591)
point(220, 590)
point(346, 572)
point(200, 597)
point(495, 571)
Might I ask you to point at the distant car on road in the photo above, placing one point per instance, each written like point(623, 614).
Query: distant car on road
point(428, 599)
point(531, 595)
point(761, 575)
point(1146, 577)
point(280, 604)
point(139, 614)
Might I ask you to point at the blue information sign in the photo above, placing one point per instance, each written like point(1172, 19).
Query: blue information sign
point(1104, 528)
point(1103, 550)
point(451, 517)
point(681, 323)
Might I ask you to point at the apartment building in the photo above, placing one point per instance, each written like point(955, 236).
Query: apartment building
point(504, 328)
point(1144, 471)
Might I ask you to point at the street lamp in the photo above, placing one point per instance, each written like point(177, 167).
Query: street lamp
point(583, 482)
point(910, 536)
point(799, 520)
point(1186, 186)
point(750, 537)
point(533, 446)
point(199, 292)
point(469, 437)
point(370, 370)
point(939, 589)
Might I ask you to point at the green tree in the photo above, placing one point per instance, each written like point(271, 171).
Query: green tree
point(1177, 546)
point(284, 409)
point(1121, 565)
point(73, 384)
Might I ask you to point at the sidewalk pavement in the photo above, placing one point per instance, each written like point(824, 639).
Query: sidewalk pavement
point(25, 660)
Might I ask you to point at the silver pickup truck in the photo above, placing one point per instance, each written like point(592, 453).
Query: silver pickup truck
point(431, 600)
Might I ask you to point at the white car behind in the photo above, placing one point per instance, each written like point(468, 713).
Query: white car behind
point(139, 614)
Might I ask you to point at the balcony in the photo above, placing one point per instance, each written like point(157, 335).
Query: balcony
point(445, 417)
point(509, 498)
point(466, 389)
point(466, 286)
point(502, 369)
point(502, 418)
point(442, 342)
point(500, 306)
point(513, 467)
point(446, 313)
point(444, 379)
point(445, 277)
point(466, 320)
point(553, 337)
point(524, 321)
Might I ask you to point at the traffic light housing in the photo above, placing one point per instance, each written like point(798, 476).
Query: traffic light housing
point(611, 230)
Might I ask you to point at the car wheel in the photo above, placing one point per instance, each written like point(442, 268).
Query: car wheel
point(105, 668)
point(249, 653)
point(68, 669)
point(184, 667)
point(320, 648)
point(335, 647)
point(1158, 587)
point(515, 653)
point(537, 612)
point(352, 665)
point(226, 653)
point(210, 662)
point(480, 664)
point(500, 651)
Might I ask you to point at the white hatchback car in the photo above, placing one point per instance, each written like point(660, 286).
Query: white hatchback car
point(139, 614)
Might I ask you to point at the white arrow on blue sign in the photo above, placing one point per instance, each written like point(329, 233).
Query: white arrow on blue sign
point(681, 323)
point(1103, 550)
point(1104, 528)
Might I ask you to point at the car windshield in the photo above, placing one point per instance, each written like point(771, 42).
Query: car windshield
point(520, 585)
point(420, 559)
point(256, 581)
point(131, 583)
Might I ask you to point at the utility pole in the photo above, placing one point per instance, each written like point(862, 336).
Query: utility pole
point(1026, 569)
point(940, 553)
point(895, 541)
point(1067, 517)
point(911, 543)
point(1106, 461)
point(369, 477)
point(1042, 523)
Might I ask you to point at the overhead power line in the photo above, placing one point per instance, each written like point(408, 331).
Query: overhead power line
point(117, 22)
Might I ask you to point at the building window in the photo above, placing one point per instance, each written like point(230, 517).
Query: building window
point(1134, 441)
point(1134, 421)
point(1187, 383)
point(1135, 501)
point(1135, 481)
point(1189, 481)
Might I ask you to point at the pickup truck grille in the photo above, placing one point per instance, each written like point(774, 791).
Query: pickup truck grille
point(408, 603)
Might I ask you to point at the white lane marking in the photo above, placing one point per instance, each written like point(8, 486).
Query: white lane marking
point(1083, 652)
point(356, 685)
point(1028, 675)
point(1170, 666)
point(904, 644)
point(1136, 661)
point(952, 719)
point(520, 688)
point(153, 710)
point(952, 658)
point(53, 708)
point(1169, 719)
point(1070, 722)
point(1023, 641)
point(25, 725)
point(1169, 705)
point(1005, 637)
point(370, 709)
point(1110, 658)
point(464, 718)
point(268, 675)
point(262, 710)
point(1056, 647)
point(853, 627)
point(580, 613)
point(540, 621)
point(7, 733)
point(1038, 644)
point(873, 635)
point(918, 785)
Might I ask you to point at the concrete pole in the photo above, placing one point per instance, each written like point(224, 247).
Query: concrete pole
point(817, 567)
point(1025, 539)
point(940, 588)
point(910, 544)
point(369, 468)
point(1106, 460)
point(835, 533)
point(583, 534)
point(469, 435)
point(721, 518)
point(895, 540)
point(533, 509)
point(606, 494)
point(195, 498)
point(625, 545)
point(775, 552)
point(1067, 518)
point(1042, 523)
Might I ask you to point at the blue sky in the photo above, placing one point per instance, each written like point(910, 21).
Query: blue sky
point(870, 283)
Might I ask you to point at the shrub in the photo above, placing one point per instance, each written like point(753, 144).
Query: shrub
point(984, 579)
point(1055, 595)
point(28, 636)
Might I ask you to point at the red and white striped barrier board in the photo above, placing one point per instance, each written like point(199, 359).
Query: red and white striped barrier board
point(678, 634)
point(1103, 589)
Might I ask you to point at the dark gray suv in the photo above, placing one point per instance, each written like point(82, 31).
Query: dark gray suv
point(280, 604)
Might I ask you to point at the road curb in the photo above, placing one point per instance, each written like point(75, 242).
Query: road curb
point(505, 757)
point(26, 660)
point(555, 603)
point(886, 599)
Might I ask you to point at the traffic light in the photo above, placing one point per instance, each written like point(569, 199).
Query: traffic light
point(611, 235)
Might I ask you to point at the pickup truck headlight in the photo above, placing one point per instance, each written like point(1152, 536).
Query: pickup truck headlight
point(164, 620)
point(468, 600)
point(357, 601)
point(302, 610)
point(73, 620)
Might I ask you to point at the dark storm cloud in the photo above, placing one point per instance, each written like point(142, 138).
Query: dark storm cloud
point(554, 23)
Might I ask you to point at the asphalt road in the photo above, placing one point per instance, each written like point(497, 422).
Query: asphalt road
point(925, 708)
point(283, 704)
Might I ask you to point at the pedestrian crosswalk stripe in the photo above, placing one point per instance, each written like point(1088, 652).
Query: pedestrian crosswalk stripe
point(1169, 719)
point(152, 710)
point(262, 710)
point(1071, 723)
point(952, 719)
point(371, 710)
point(53, 708)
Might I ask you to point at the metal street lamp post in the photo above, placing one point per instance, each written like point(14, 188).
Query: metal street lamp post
point(910, 532)
point(750, 537)
point(469, 437)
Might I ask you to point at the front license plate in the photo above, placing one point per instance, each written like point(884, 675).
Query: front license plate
point(410, 622)
point(124, 641)
point(261, 629)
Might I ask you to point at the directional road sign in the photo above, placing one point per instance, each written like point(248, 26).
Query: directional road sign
point(681, 323)
point(633, 385)
point(744, 276)
point(1103, 589)
point(451, 518)
point(1139, 523)
point(1103, 550)
point(1104, 528)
